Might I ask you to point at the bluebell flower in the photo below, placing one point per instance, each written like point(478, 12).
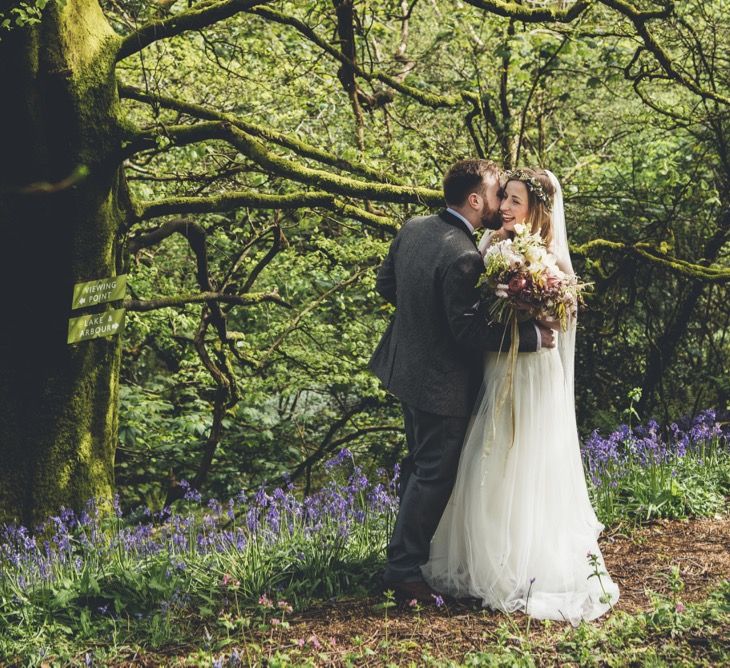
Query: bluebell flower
point(190, 494)
point(342, 456)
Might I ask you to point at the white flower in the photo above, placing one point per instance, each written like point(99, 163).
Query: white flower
point(519, 228)
point(515, 260)
point(552, 263)
point(511, 257)
point(535, 255)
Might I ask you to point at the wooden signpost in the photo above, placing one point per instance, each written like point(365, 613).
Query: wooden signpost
point(99, 292)
point(97, 325)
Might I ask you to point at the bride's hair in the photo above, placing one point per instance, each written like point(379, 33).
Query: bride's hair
point(540, 194)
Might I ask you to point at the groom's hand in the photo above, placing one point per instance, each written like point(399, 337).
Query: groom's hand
point(547, 336)
point(549, 323)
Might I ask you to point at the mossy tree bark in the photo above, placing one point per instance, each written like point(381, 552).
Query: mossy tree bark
point(61, 213)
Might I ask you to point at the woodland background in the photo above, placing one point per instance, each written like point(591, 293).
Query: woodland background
point(397, 91)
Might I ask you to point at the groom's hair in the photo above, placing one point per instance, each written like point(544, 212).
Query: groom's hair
point(466, 177)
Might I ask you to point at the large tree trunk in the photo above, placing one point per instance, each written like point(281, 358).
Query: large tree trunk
point(60, 219)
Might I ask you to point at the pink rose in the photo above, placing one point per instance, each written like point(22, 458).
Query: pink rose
point(516, 284)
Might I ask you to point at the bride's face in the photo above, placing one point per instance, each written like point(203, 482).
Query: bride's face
point(515, 206)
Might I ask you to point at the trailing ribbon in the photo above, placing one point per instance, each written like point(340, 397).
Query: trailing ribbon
point(508, 386)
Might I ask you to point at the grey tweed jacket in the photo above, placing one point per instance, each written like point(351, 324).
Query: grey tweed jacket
point(431, 354)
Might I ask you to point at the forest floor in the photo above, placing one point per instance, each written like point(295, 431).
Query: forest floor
point(360, 631)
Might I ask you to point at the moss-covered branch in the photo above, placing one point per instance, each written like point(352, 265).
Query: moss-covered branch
point(527, 14)
point(639, 20)
point(231, 200)
point(202, 15)
point(374, 220)
point(711, 273)
point(179, 135)
point(334, 184)
point(298, 146)
point(338, 185)
point(203, 297)
point(256, 200)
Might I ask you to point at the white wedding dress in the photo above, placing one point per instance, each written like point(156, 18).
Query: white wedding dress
point(519, 525)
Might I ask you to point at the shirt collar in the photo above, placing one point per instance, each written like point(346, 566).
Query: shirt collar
point(460, 217)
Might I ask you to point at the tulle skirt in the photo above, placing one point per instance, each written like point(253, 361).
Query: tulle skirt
point(519, 526)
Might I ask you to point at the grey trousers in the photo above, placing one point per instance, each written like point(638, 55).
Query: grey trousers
point(427, 477)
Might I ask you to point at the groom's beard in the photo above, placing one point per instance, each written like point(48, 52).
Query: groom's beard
point(491, 220)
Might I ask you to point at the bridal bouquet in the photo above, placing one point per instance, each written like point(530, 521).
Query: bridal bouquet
point(526, 279)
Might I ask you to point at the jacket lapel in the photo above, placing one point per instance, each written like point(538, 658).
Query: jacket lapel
point(455, 221)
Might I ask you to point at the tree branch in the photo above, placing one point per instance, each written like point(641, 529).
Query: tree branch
point(181, 300)
point(660, 355)
point(298, 146)
point(231, 200)
point(341, 185)
point(469, 122)
point(256, 200)
point(639, 19)
point(520, 12)
point(175, 491)
point(505, 137)
point(536, 81)
point(195, 236)
point(373, 220)
point(708, 274)
point(199, 17)
point(329, 446)
point(424, 97)
point(255, 150)
point(276, 246)
point(345, 12)
point(294, 324)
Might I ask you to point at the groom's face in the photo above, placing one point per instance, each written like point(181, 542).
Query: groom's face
point(490, 217)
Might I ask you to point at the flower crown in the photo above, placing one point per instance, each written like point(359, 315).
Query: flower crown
point(533, 185)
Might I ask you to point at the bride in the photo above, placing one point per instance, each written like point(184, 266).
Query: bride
point(519, 531)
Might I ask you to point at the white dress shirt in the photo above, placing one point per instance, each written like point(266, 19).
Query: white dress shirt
point(460, 217)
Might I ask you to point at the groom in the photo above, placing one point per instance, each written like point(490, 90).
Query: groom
point(430, 356)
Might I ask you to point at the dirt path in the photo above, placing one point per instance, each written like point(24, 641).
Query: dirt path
point(699, 548)
point(639, 563)
point(355, 632)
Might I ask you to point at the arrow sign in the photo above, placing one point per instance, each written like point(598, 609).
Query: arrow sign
point(100, 291)
point(95, 325)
